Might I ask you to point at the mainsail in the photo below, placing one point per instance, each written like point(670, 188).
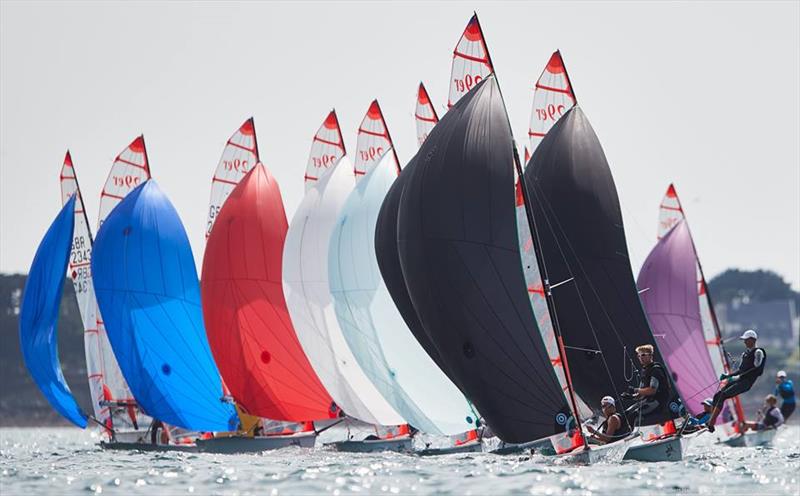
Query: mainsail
point(105, 378)
point(670, 213)
point(424, 115)
point(552, 96)
point(389, 354)
point(327, 149)
point(668, 286)
point(373, 142)
point(238, 158)
point(247, 322)
point(582, 241)
point(459, 254)
point(38, 316)
point(148, 291)
point(306, 283)
point(545, 96)
point(129, 170)
point(471, 62)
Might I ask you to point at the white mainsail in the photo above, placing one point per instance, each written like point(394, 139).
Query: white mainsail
point(552, 96)
point(471, 62)
point(424, 115)
point(239, 156)
point(306, 284)
point(105, 378)
point(373, 142)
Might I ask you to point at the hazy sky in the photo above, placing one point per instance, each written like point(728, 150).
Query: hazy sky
point(705, 95)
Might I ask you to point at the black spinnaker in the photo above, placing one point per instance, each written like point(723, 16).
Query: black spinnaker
point(582, 240)
point(459, 254)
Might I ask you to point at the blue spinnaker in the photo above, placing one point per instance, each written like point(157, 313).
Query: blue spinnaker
point(39, 315)
point(149, 295)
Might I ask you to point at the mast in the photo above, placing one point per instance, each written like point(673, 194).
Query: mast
point(539, 257)
point(548, 292)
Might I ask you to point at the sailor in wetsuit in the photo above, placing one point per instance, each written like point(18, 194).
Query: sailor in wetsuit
point(784, 389)
point(615, 426)
point(653, 392)
point(771, 416)
point(751, 367)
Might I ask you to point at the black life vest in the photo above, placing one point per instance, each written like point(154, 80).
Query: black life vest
point(623, 430)
point(749, 363)
point(771, 417)
point(663, 391)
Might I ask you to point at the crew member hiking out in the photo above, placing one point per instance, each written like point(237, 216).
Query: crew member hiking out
point(770, 416)
point(784, 389)
point(615, 426)
point(653, 393)
point(751, 367)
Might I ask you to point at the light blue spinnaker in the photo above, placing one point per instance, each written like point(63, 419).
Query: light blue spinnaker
point(149, 295)
point(384, 347)
point(39, 315)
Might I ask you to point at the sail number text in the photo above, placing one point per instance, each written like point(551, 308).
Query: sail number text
point(467, 82)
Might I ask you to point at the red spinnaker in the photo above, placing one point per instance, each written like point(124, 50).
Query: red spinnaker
point(248, 325)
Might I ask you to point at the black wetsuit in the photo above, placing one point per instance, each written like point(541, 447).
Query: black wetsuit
point(748, 373)
point(655, 376)
point(620, 433)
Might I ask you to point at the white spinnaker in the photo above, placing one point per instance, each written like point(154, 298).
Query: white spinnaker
point(129, 170)
point(101, 366)
point(308, 298)
point(552, 96)
point(424, 115)
point(326, 150)
point(239, 156)
point(374, 329)
point(471, 62)
point(373, 142)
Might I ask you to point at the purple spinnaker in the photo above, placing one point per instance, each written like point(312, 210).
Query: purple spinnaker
point(668, 282)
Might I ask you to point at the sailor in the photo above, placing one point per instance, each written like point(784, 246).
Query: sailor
point(785, 390)
point(696, 422)
point(751, 366)
point(771, 416)
point(614, 427)
point(654, 387)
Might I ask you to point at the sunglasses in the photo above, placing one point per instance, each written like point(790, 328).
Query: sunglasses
point(645, 354)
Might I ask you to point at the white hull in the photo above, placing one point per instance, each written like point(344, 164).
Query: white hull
point(671, 449)
point(470, 447)
point(606, 453)
point(751, 439)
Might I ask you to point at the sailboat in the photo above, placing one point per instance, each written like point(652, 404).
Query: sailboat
point(329, 179)
point(670, 214)
point(376, 333)
point(424, 114)
point(38, 316)
point(148, 292)
point(247, 322)
point(112, 402)
point(668, 286)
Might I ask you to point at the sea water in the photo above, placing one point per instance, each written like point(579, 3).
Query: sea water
point(69, 461)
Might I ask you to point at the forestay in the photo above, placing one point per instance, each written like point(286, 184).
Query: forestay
point(148, 291)
point(327, 149)
point(424, 114)
point(105, 378)
point(459, 254)
point(667, 282)
point(238, 158)
point(308, 297)
point(38, 316)
point(248, 325)
point(471, 62)
point(552, 96)
point(373, 142)
point(387, 352)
